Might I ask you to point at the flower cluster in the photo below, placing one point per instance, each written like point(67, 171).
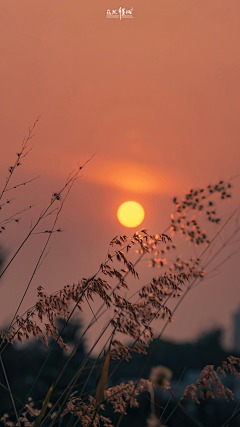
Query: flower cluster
point(132, 319)
point(208, 377)
point(116, 396)
point(86, 412)
point(57, 304)
point(198, 200)
point(121, 393)
point(28, 417)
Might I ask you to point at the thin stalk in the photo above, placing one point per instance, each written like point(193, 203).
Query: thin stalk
point(171, 397)
point(9, 390)
point(177, 305)
point(42, 253)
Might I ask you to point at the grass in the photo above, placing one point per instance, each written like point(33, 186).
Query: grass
point(133, 314)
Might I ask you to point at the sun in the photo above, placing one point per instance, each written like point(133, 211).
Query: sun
point(130, 214)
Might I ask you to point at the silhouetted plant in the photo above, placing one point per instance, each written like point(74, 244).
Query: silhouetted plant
point(131, 319)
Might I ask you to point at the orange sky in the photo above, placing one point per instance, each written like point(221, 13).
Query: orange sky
point(155, 97)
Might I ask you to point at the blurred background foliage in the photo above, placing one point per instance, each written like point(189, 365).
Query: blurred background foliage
point(186, 360)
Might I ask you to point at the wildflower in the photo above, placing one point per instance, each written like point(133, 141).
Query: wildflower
point(161, 376)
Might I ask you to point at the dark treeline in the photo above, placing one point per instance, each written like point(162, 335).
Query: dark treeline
point(22, 365)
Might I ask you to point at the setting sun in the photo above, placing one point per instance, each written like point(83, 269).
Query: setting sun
point(130, 214)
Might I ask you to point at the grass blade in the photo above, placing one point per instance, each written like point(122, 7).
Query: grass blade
point(103, 380)
point(188, 413)
point(231, 418)
point(44, 407)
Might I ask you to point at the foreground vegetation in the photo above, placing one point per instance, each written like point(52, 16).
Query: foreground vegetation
point(133, 314)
